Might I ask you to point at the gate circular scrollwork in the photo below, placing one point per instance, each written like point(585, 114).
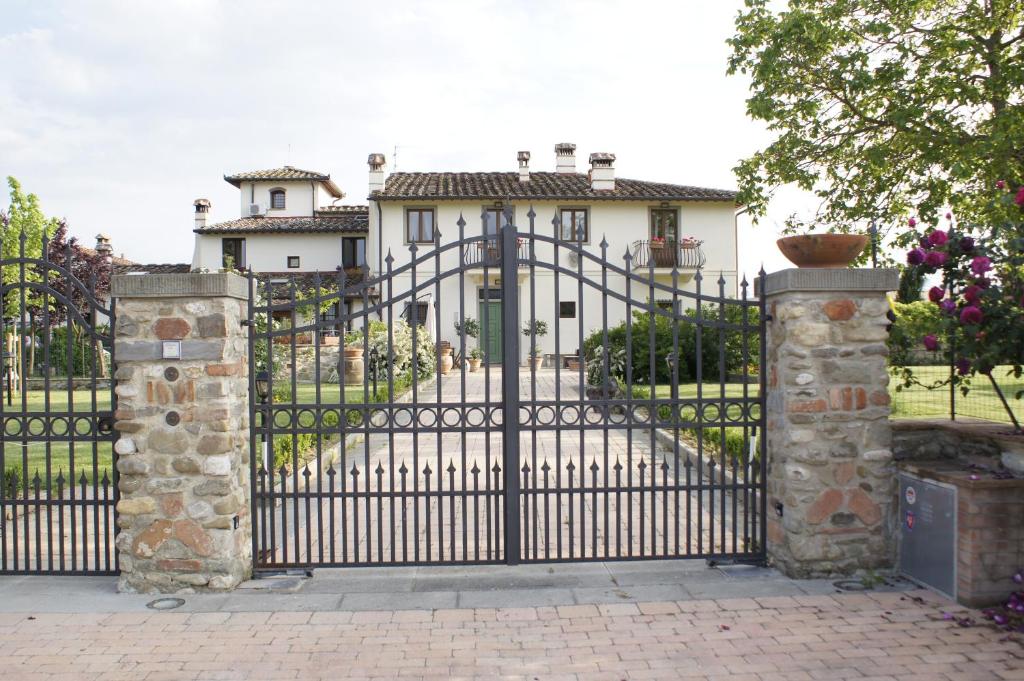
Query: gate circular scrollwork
point(451, 417)
point(426, 417)
point(475, 417)
point(570, 415)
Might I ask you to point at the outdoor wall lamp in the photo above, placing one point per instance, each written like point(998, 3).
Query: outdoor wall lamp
point(262, 386)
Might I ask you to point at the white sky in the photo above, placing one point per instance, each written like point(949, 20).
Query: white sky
point(119, 114)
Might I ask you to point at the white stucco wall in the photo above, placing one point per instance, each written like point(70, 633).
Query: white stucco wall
point(301, 197)
point(269, 252)
point(621, 223)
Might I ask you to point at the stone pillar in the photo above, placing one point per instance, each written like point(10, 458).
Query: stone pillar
point(183, 451)
point(830, 473)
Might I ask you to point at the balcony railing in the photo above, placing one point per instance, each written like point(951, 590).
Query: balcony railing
point(488, 252)
point(685, 254)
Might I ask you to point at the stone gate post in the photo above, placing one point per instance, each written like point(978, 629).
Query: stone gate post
point(830, 476)
point(183, 418)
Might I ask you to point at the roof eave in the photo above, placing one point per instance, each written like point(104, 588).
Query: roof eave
point(581, 197)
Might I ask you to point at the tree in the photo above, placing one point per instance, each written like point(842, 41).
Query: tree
point(24, 216)
point(880, 106)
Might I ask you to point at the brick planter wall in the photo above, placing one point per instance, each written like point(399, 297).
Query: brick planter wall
point(184, 441)
point(830, 474)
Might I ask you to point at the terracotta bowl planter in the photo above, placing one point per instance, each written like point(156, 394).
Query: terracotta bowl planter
point(823, 250)
point(352, 352)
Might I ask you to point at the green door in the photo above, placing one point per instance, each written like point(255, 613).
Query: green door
point(490, 330)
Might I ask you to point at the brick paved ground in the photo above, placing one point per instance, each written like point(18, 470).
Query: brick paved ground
point(880, 636)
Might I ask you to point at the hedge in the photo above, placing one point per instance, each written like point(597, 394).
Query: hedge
point(594, 347)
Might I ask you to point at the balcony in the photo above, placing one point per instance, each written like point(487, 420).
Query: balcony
point(488, 252)
point(684, 255)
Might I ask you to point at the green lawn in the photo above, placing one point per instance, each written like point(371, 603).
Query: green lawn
point(330, 393)
point(981, 402)
point(33, 456)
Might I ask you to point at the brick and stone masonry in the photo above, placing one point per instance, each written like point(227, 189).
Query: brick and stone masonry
point(183, 450)
point(830, 470)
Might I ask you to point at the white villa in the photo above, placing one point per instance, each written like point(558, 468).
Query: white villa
point(291, 222)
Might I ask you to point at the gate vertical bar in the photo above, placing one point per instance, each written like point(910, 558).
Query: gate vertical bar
point(255, 459)
point(510, 388)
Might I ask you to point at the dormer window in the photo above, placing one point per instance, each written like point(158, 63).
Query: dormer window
point(277, 199)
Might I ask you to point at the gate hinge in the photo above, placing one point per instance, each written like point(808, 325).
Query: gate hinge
point(247, 322)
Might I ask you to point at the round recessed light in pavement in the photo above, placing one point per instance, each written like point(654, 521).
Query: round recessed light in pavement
point(851, 585)
point(166, 603)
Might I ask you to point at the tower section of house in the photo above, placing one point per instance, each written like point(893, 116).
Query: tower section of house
point(291, 227)
point(666, 229)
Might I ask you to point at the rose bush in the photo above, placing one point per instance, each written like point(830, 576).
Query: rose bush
point(981, 299)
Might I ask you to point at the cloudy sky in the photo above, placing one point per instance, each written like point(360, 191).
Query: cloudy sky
point(119, 114)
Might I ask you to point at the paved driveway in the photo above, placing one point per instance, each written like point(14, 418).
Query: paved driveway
point(433, 497)
point(881, 637)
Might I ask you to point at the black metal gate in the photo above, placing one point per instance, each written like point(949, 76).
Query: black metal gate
point(640, 439)
point(58, 480)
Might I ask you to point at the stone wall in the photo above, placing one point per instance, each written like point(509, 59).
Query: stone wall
point(830, 474)
point(306, 363)
point(971, 441)
point(183, 516)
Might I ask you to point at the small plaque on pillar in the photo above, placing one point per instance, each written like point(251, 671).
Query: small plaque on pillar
point(171, 349)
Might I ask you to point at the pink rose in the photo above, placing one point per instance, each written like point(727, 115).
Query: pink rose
point(936, 294)
point(1000, 184)
point(972, 294)
point(931, 343)
point(963, 366)
point(980, 265)
point(912, 222)
point(938, 238)
point(915, 256)
point(935, 259)
point(1019, 199)
point(971, 315)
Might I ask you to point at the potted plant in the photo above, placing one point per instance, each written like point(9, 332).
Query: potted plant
point(534, 329)
point(657, 242)
point(598, 387)
point(446, 357)
point(476, 357)
point(471, 328)
point(834, 250)
point(353, 345)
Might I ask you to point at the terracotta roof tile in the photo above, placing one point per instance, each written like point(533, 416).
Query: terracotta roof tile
point(287, 173)
point(541, 186)
point(346, 221)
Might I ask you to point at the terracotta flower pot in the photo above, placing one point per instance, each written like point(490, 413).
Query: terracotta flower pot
point(474, 365)
point(446, 360)
point(352, 352)
point(823, 250)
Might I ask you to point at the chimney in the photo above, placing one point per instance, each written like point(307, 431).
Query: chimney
point(202, 210)
point(103, 247)
point(565, 158)
point(602, 171)
point(376, 163)
point(524, 166)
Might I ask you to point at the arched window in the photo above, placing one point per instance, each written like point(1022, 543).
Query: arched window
point(277, 198)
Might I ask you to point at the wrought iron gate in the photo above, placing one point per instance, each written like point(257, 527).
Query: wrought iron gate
point(639, 440)
point(58, 480)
